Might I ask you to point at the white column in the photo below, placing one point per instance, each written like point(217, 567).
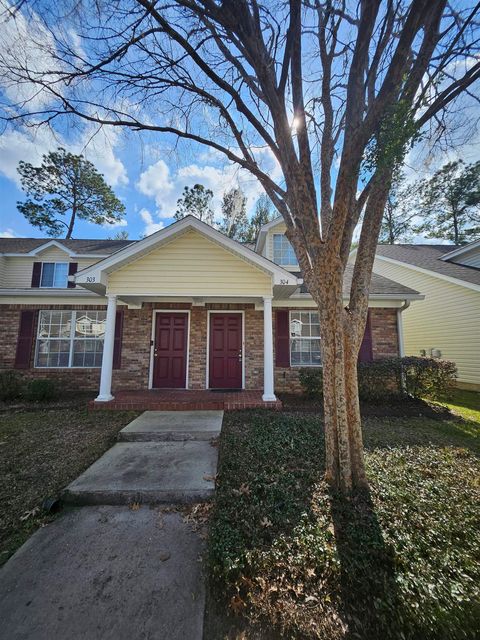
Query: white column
point(105, 393)
point(268, 391)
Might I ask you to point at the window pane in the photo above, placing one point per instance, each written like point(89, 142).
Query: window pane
point(87, 352)
point(305, 352)
point(48, 271)
point(283, 252)
point(61, 274)
point(53, 353)
point(90, 324)
point(55, 343)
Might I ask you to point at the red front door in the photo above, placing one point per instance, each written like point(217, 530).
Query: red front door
point(225, 359)
point(170, 351)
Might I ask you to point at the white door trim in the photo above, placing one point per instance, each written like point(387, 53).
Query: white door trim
point(152, 343)
point(209, 312)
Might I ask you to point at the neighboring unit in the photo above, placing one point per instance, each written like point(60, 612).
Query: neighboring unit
point(184, 308)
point(447, 323)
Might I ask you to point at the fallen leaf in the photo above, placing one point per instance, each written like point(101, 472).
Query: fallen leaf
point(237, 604)
point(265, 522)
point(134, 506)
point(209, 478)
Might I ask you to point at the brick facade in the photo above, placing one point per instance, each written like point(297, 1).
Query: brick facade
point(136, 350)
point(384, 345)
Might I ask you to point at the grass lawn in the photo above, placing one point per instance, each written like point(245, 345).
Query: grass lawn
point(289, 559)
point(41, 451)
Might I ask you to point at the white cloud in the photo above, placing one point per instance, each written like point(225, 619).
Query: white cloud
point(9, 233)
point(98, 145)
point(165, 186)
point(156, 183)
point(28, 144)
point(26, 43)
point(150, 225)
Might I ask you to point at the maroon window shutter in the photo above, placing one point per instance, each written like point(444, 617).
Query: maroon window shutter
point(282, 339)
point(365, 354)
point(72, 270)
point(25, 339)
point(117, 345)
point(36, 273)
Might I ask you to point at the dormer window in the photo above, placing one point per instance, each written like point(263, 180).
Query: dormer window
point(283, 252)
point(54, 275)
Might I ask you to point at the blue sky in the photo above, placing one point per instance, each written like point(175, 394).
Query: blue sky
point(147, 172)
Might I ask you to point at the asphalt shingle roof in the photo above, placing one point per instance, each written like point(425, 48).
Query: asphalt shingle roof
point(378, 285)
point(93, 247)
point(427, 256)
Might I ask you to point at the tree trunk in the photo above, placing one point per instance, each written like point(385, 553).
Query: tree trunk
point(341, 339)
point(71, 224)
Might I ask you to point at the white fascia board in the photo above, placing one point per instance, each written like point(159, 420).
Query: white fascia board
point(372, 296)
point(44, 292)
point(434, 274)
point(460, 250)
point(123, 256)
point(262, 234)
point(48, 245)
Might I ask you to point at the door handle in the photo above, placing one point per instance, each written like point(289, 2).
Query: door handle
point(240, 356)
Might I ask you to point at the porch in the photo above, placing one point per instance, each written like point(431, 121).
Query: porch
point(186, 400)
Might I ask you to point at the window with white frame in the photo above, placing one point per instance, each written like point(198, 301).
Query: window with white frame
point(70, 339)
point(305, 339)
point(54, 275)
point(283, 252)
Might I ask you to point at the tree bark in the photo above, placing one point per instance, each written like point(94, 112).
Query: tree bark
point(340, 342)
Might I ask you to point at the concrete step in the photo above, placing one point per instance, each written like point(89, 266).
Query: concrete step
point(148, 473)
point(166, 426)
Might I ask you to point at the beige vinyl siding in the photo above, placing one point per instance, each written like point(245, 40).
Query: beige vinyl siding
point(470, 259)
point(448, 319)
point(2, 271)
point(281, 227)
point(190, 264)
point(17, 273)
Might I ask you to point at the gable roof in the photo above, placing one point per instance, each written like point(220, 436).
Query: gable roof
point(262, 234)
point(379, 286)
point(142, 247)
point(428, 257)
point(459, 250)
point(25, 246)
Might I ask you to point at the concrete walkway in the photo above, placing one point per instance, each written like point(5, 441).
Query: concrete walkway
point(120, 572)
point(168, 459)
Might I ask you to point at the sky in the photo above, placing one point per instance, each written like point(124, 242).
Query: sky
point(147, 171)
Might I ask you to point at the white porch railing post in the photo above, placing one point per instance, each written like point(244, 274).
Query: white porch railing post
point(105, 393)
point(268, 386)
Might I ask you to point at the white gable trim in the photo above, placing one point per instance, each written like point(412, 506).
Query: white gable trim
point(57, 245)
point(49, 245)
point(460, 250)
point(148, 244)
point(429, 272)
point(264, 230)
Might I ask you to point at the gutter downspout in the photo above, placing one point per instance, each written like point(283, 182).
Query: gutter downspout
point(401, 346)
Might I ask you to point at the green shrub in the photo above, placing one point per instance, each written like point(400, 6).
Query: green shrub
point(41, 390)
point(389, 378)
point(311, 380)
point(11, 385)
point(428, 377)
point(380, 380)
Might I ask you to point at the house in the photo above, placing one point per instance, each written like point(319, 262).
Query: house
point(184, 308)
point(447, 323)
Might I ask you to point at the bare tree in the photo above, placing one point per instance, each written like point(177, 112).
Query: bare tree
point(335, 92)
point(400, 211)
